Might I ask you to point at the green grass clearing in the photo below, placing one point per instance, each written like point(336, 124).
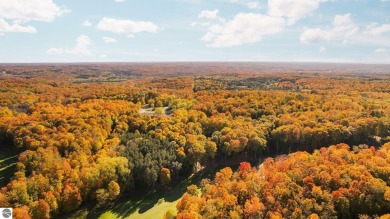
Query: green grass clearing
point(157, 211)
point(8, 159)
point(142, 206)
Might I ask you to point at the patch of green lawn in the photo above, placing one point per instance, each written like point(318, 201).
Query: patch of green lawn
point(149, 206)
point(8, 159)
point(157, 211)
point(144, 206)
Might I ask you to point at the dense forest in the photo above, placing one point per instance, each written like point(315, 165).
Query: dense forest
point(332, 182)
point(93, 134)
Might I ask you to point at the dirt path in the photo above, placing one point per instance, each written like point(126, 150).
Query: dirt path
point(150, 111)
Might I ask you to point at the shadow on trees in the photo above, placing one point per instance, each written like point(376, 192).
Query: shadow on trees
point(128, 204)
point(8, 159)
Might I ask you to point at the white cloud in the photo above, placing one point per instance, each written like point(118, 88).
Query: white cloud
point(315, 35)
point(6, 28)
point(55, 51)
point(209, 14)
point(292, 9)
point(109, 40)
point(343, 23)
point(119, 0)
point(375, 29)
point(253, 5)
point(86, 23)
point(343, 29)
point(247, 28)
point(18, 12)
point(30, 10)
point(381, 50)
point(244, 28)
point(322, 49)
point(126, 26)
point(83, 43)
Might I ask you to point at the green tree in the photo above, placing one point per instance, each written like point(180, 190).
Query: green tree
point(159, 111)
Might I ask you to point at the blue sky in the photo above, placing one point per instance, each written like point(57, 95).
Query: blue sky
point(195, 30)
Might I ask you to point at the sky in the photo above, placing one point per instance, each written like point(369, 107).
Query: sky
point(356, 31)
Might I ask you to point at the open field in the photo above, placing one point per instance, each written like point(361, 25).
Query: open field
point(8, 159)
point(153, 205)
point(151, 111)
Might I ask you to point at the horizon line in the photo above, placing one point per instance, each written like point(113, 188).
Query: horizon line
point(221, 62)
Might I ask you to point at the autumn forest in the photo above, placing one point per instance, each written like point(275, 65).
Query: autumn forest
point(265, 140)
